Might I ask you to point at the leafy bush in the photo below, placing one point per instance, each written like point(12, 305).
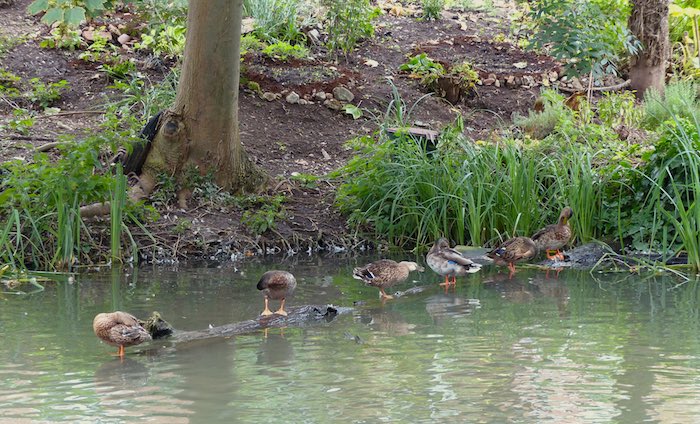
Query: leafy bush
point(348, 22)
point(423, 67)
point(167, 40)
point(590, 37)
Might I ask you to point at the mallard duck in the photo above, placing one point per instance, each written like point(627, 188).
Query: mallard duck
point(119, 329)
point(384, 273)
point(447, 261)
point(514, 250)
point(276, 285)
point(555, 236)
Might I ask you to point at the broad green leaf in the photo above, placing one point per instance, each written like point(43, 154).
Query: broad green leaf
point(353, 110)
point(38, 6)
point(53, 15)
point(75, 16)
point(93, 5)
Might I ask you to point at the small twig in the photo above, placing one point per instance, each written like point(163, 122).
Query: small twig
point(28, 138)
point(48, 146)
point(72, 112)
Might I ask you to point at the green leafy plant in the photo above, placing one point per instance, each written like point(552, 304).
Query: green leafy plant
point(589, 37)
point(283, 51)
point(62, 38)
point(120, 70)
point(352, 110)
point(67, 12)
point(166, 40)
point(267, 211)
point(423, 67)
point(22, 121)
point(348, 23)
point(432, 9)
point(44, 94)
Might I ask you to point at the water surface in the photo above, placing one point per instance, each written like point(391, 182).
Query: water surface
point(537, 348)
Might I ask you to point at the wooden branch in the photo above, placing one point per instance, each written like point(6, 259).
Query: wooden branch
point(72, 112)
point(27, 138)
point(615, 87)
point(298, 316)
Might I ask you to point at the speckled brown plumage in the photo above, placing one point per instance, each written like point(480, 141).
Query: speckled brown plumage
point(119, 329)
point(385, 273)
point(276, 285)
point(555, 236)
point(514, 250)
point(448, 262)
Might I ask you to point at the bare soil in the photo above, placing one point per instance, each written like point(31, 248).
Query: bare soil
point(284, 138)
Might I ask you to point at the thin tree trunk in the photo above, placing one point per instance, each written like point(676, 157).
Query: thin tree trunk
point(649, 23)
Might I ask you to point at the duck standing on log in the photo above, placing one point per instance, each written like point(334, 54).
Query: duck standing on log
point(447, 261)
point(555, 236)
point(276, 285)
point(385, 273)
point(119, 329)
point(514, 250)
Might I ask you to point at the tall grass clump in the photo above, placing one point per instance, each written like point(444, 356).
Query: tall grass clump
point(276, 20)
point(673, 172)
point(474, 193)
point(679, 100)
point(40, 200)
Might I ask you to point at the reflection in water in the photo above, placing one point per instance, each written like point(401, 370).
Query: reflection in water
point(275, 350)
point(531, 349)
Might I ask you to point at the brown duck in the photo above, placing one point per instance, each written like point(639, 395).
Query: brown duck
point(555, 236)
point(276, 285)
point(384, 273)
point(447, 261)
point(514, 250)
point(119, 329)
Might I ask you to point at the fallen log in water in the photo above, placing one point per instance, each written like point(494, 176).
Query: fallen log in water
point(297, 316)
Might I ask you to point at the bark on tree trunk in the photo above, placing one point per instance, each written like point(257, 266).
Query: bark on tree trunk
point(200, 132)
point(649, 23)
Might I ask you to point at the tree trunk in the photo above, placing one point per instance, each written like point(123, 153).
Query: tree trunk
point(649, 23)
point(199, 134)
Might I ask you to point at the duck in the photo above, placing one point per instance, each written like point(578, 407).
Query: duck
point(516, 249)
point(119, 329)
point(276, 285)
point(555, 236)
point(385, 273)
point(447, 261)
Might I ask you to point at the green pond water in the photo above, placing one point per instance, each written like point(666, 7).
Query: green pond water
point(577, 348)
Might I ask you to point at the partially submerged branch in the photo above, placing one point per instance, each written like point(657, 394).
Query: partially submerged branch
point(298, 316)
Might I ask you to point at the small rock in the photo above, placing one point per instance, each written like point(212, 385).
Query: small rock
point(325, 154)
point(489, 81)
point(553, 76)
point(123, 39)
point(576, 83)
point(320, 95)
point(269, 96)
point(343, 94)
point(304, 101)
point(528, 80)
point(497, 83)
point(333, 104)
point(247, 25)
point(315, 36)
point(292, 98)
